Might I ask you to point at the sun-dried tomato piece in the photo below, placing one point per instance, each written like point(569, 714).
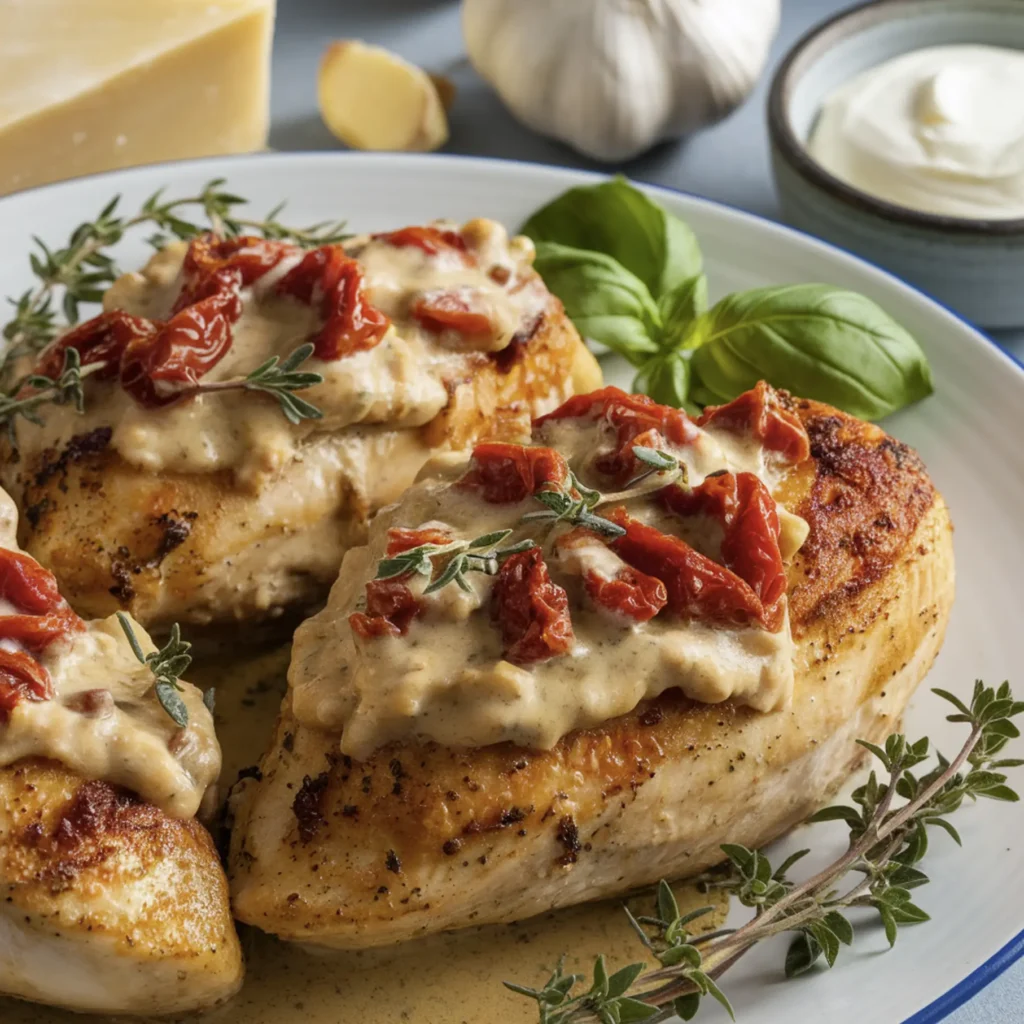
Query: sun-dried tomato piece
point(697, 587)
point(390, 608)
point(637, 421)
point(21, 678)
point(103, 339)
point(630, 593)
point(750, 546)
point(440, 311)
point(401, 539)
point(335, 280)
point(27, 585)
point(760, 413)
point(531, 610)
point(189, 345)
point(247, 256)
point(503, 474)
point(432, 240)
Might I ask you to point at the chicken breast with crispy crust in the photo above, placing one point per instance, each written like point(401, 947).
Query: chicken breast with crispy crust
point(109, 905)
point(702, 689)
point(182, 500)
point(113, 896)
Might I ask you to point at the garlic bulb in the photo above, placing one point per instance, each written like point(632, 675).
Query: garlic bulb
point(613, 77)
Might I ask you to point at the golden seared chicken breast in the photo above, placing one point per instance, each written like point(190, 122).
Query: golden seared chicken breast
point(560, 671)
point(185, 493)
point(114, 900)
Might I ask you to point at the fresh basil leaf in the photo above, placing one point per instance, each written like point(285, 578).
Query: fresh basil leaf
point(815, 340)
point(680, 307)
point(665, 378)
point(620, 221)
point(606, 302)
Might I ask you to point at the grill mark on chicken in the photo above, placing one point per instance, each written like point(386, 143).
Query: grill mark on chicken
point(568, 834)
point(77, 448)
point(308, 806)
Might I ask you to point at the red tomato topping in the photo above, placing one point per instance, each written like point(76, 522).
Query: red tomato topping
point(698, 588)
point(430, 239)
point(532, 612)
point(103, 339)
point(401, 539)
point(352, 324)
point(443, 311)
point(21, 678)
point(43, 616)
point(247, 257)
point(390, 609)
point(631, 593)
point(637, 420)
point(504, 474)
point(760, 413)
point(750, 547)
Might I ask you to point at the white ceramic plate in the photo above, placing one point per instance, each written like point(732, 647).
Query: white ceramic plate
point(971, 434)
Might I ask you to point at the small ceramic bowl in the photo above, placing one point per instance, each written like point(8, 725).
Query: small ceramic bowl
point(974, 266)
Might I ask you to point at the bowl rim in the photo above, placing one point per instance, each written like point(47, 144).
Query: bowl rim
point(785, 141)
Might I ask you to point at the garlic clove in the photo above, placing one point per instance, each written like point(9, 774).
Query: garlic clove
point(372, 99)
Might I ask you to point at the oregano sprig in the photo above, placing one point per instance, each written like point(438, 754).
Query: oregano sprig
point(167, 664)
point(886, 843)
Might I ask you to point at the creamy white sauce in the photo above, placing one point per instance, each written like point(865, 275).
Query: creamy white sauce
point(120, 733)
point(446, 679)
point(939, 129)
point(400, 382)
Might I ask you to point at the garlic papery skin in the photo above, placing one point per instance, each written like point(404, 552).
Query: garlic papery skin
point(613, 77)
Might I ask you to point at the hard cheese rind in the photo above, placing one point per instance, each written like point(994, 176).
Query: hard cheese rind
point(87, 87)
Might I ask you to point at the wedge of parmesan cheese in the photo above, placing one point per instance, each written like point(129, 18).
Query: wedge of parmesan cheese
point(87, 87)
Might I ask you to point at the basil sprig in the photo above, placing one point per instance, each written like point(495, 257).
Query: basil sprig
point(630, 277)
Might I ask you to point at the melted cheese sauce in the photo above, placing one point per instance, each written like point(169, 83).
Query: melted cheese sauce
point(445, 979)
point(401, 382)
point(104, 720)
point(446, 679)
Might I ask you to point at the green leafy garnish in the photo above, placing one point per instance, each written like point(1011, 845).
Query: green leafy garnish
point(623, 223)
point(280, 380)
point(82, 269)
point(886, 843)
point(480, 555)
point(168, 664)
point(573, 503)
point(630, 277)
point(66, 389)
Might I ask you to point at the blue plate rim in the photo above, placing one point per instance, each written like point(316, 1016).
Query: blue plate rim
point(938, 1009)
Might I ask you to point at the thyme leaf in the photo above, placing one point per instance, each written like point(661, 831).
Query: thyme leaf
point(66, 389)
point(280, 380)
point(573, 503)
point(167, 664)
point(481, 555)
point(79, 271)
point(885, 845)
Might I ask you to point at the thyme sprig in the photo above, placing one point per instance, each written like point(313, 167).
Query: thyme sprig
point(573, 503)
point(480, 555)
point(279, 379)
point(65, 389)
point(885, 845)
point(80, 270)
point(167, 664)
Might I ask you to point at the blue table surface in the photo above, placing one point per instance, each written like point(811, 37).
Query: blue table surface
point(728, 162)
